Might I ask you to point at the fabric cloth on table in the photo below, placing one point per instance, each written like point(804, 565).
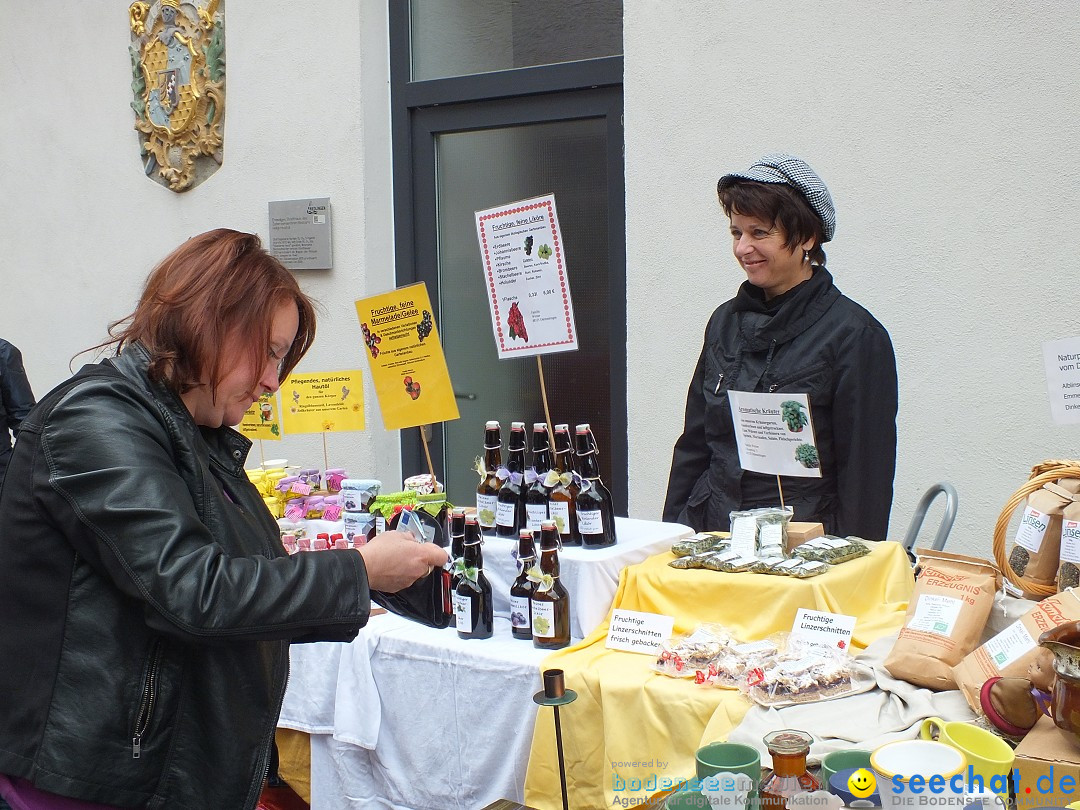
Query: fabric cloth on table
point(631, 723)
point(453, 718)
point(893, 711)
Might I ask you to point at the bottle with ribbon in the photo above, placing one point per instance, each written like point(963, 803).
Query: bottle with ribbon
point(563, 486)
point(536, 490)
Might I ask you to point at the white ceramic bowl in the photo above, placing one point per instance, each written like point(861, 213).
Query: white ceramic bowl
point(895, 763)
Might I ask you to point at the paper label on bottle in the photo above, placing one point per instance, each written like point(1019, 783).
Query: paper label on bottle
point(1032, 529)
point(505, 513)
point(560, 513)
point(485, 510)
point(590, 521)
point(520, 611)
point(1070, 541)
point(463, 613)
point(537, 513)
point(1009, 645)
point(936, 614)
point(380, 524)
point(543, 619)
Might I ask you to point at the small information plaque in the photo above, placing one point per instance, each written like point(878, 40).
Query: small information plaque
point(300, 233)
point(829, 630)
point(634, 631)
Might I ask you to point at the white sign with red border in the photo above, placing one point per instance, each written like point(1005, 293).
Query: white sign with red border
point(525, 276)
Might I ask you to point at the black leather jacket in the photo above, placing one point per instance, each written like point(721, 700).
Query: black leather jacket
point(146, 601)
point(810, 340)
point(16, 399)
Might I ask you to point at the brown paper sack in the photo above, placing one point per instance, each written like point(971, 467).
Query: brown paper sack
point(1069, 568)
point(945, 619)
point(1010, 652)
point(1034, 555)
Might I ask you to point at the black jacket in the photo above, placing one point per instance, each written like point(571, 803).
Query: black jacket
point(16, 399)
point(147, 601)
point(810, 340)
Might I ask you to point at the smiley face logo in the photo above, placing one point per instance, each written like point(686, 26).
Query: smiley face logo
point(861, 783)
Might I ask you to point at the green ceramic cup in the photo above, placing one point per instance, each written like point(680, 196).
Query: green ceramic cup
point(731, 757)
point(837, 761)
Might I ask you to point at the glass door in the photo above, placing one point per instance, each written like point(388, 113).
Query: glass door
point(481, 155)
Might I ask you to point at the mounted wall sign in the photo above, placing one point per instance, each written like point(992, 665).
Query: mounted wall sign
point(178, 81)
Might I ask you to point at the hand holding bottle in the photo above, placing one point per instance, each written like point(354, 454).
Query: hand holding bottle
point(394, 560)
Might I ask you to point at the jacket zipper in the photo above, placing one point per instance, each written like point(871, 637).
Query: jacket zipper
point(768, 362)
point(146, 704)
point(719, 380)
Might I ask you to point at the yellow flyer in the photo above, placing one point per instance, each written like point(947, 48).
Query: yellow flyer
point(263, 419)
point(407, 362)
point(329, 402)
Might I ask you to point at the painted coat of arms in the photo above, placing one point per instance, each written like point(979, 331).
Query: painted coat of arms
point(178, 82)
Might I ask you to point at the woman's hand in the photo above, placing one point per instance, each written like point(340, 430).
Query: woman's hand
point(394, 560)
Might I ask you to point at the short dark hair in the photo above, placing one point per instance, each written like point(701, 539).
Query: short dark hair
point(214, 284)
point(779, 204)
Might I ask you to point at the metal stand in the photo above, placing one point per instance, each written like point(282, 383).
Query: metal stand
point(555, 694)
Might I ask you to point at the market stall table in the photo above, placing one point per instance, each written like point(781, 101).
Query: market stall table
point(591, 575)
point(410, 718)
point(630, 723)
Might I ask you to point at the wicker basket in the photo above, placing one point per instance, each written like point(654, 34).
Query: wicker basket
point(1044, 473)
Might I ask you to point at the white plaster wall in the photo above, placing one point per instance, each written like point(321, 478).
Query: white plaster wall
point(80, 226)
point(947, 134)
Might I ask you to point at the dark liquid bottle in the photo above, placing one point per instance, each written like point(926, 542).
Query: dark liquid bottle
point(550, 607)
point(562, 498)
point(457, 545)
point(595, 511)
point(521, 590)
point(789, 749)
point(536, 496)
point(473, 610)
point(487, 492)
point(510, 509)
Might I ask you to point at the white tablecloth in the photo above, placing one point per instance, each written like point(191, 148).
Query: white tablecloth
point(411, 718)
point(590, 575)
point(407, 717)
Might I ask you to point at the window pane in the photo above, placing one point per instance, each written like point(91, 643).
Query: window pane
point(463, 37)
point(483, 169)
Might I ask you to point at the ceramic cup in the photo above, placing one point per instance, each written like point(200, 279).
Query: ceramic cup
point(895, 763)
point(836, 761)
point(986, 753)
point(732, 757)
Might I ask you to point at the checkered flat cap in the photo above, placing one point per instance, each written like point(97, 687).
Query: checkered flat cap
point(792, 171)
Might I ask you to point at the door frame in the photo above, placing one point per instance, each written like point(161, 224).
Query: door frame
point(420, 111)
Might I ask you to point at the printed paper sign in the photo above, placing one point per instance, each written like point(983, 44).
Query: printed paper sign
point(329, 402)
point(525, 278)
point(634, 631)
point(407, 362)
point(775, 434)
point(263, 419)
point(1062, 359)
point(830, 630)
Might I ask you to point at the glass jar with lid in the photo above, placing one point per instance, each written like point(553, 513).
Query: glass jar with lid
point(789, 749)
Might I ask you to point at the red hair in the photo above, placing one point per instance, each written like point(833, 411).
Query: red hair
point(216, 284)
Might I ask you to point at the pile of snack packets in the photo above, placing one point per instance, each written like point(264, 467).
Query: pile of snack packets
point(757, 544)
point(777, 670)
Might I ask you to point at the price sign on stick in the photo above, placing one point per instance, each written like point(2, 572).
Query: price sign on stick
point(327, 402)
point(407, 362)
point(525, 278)
point(775, 434)
point(263, 419)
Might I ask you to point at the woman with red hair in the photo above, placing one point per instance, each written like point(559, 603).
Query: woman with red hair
point(148, 603)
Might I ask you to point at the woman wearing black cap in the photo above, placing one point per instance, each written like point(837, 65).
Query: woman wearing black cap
point(789, 329)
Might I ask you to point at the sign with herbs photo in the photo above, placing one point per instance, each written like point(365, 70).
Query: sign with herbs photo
point(775, 433)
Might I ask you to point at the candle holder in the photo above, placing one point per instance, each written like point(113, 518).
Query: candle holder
point(555, 694)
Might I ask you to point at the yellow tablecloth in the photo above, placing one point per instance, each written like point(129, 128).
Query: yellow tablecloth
point(631, 726)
